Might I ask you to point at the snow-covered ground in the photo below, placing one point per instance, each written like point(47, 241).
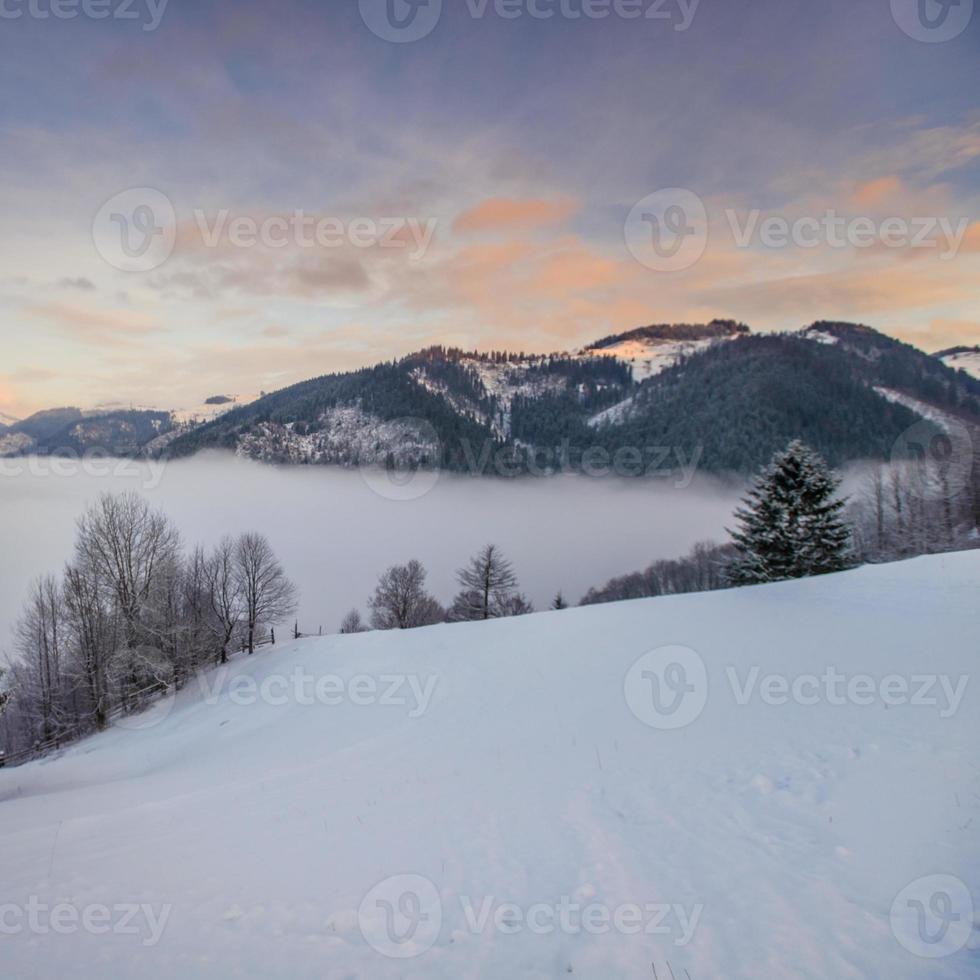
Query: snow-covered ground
point(967, 360)
point(650, 356)
point(774, 782)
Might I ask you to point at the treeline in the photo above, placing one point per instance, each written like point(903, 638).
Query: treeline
point(488, 589)
point(675, 331)
point(131, 616)
point(702, 570)
point(793, 523)
point(916, 508)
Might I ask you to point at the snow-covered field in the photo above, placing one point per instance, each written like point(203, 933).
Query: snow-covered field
point(791, 789)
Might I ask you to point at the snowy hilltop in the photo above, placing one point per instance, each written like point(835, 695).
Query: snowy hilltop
point(777, 781)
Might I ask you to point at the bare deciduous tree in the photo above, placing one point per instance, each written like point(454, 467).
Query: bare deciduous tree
point(488, 587)
point(352, 623)
point(267, 594)
point(401, 602)
point(225, 596)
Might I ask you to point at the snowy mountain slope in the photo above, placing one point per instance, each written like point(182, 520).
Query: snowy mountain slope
point(650, 350)
point(963, 359)
point(649, 357)
point(760, 839)
point(6, 420)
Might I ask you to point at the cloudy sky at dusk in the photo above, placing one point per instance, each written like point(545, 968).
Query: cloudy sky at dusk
point(521, 144)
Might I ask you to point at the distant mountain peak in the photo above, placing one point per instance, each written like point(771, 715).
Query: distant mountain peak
point(715, 329)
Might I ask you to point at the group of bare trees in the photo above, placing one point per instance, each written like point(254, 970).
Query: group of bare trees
point(131, 616)
point(915, 508)
point(488, 590)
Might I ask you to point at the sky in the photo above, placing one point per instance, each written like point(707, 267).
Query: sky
point(203, 197)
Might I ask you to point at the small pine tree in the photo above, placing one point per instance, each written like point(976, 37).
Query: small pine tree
point(559, 601)
point(790, 524)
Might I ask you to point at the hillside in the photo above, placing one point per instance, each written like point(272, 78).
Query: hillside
point(752, 838)
point(650, 350)
point(713, 391)
point(72, 432)
point(713, 395)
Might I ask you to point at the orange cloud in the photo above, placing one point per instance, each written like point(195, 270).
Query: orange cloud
point(872, 192)
point(506, 213)
point(102, 326)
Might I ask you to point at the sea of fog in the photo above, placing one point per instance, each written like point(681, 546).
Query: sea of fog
point(336, 530)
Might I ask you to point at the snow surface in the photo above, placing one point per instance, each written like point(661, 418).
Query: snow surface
point(648, 357)
point(776, 836)
point(968, 361)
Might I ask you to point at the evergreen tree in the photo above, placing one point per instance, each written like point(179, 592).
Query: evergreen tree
point(559, 601)
point(790, 524)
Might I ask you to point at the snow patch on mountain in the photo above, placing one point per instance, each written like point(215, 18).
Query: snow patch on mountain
point(345, 435)
point(459, 404)
point(15, 443)
point(649, 356)
point(923, 409)
point(819, 336)
point(966, 360)
point(508, 380)
point(614, 415)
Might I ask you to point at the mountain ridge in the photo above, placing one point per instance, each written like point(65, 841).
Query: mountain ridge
point(716, 390)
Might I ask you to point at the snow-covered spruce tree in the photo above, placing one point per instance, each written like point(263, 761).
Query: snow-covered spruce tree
point(790, 524)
